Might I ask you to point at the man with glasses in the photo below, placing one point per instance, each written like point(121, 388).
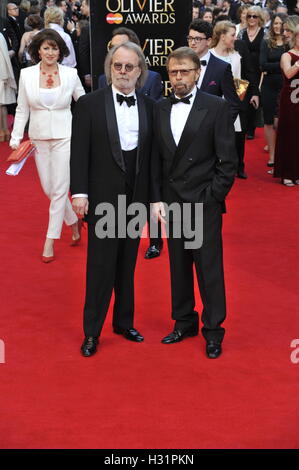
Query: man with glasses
point(216, 76)
point(13, 18)
point(195, 163)
point(153, 87)
point(110, 157)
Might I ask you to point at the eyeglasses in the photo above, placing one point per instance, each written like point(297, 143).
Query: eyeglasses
point(252, 16)
point(13, 8)
point(183, 72)
point(128, 67)
point(195, 39)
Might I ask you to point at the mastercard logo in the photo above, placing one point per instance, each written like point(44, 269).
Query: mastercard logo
point(114, 18)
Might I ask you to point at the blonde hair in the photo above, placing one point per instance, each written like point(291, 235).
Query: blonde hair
point(221, 27)
point(291, 22)
point(25, 5)
point(295, 34)
point(53, 15)
point(259, 12)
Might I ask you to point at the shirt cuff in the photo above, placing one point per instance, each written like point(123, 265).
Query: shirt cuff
point(79, 195)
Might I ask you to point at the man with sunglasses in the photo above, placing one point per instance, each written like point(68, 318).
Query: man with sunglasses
point(216, 76)
point(195, 163)
point(110, 157)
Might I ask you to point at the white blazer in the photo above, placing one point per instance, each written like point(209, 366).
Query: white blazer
point(46, 122)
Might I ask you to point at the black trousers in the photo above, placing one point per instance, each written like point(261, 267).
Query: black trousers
point(208, 261)
point(111, 266)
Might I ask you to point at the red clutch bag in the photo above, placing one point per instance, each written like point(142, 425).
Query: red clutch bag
point(24, 150)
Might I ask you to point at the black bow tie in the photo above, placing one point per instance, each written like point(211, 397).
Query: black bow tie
point(175, 100)
point(203, 62)
point(130, 100)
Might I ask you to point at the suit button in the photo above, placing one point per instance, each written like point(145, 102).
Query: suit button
point(190, 159)
point(170, 180)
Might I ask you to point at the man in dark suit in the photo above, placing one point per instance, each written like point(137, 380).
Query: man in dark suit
point(110, 158)
point(216, 75)
point(13, 12)
point(153, 87)
point(195, 163)
point(84, 49)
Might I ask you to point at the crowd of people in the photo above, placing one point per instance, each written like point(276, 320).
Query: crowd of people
point(238, 69)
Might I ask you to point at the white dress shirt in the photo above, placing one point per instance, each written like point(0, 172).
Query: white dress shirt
point(127, 122)
point(179, 115)
point(203, 68)
point(70, 60)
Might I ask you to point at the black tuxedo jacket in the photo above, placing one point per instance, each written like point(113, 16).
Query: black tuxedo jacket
point(17, 28)
point(202, 167)
point(97, 163)
point(9, 34)
point(218, 80)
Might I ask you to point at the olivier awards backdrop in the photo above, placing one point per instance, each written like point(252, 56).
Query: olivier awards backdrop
point(161, 25)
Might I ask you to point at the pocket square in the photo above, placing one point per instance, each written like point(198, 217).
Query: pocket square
point(212, 83)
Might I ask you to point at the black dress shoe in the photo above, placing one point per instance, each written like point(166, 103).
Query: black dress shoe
point(242, 175)
point(89, 346)
point(213, 349)
point(154, 251)
point(176, 335)
point(130, 333)
point(250, 137)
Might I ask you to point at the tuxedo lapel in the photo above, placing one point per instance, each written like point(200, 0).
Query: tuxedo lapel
point(143, 129)
point(209, 75)
point(166, 127)
point(194, 121)
point(113, 129)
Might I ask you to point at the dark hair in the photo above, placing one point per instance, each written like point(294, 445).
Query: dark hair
point(184, 53)
point(52, 37)
point(196, 4)
point(202, 27)
point(34, 21)
point(206, 10)
point(128, 32)
point(271, 40)
point(221, 18)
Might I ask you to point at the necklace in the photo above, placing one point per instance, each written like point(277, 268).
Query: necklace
point(252, 34)
point(50, 80)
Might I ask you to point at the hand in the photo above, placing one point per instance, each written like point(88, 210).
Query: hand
point(80, 205)
point(14, 146)
point(11, 53)
point(70, 26)
point(87, 79)
point(255, 101)
point(158, 212)
point(275, 124)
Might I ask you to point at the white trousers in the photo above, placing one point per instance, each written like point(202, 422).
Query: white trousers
point(52, 158)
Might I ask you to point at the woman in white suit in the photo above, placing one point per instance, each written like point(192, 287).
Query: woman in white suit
point(45, 95)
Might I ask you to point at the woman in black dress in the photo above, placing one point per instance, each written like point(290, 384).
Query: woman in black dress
point(286, 165)
point(253, 36)
point(272, 49)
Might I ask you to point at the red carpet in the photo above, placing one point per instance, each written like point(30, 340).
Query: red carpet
point(151, 395)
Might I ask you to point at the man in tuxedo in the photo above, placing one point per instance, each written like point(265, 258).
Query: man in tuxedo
point(110, 157)
point(195, 163)
point(84, 49)
point(153, 87)
point(13, 18)
point(216, 75)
